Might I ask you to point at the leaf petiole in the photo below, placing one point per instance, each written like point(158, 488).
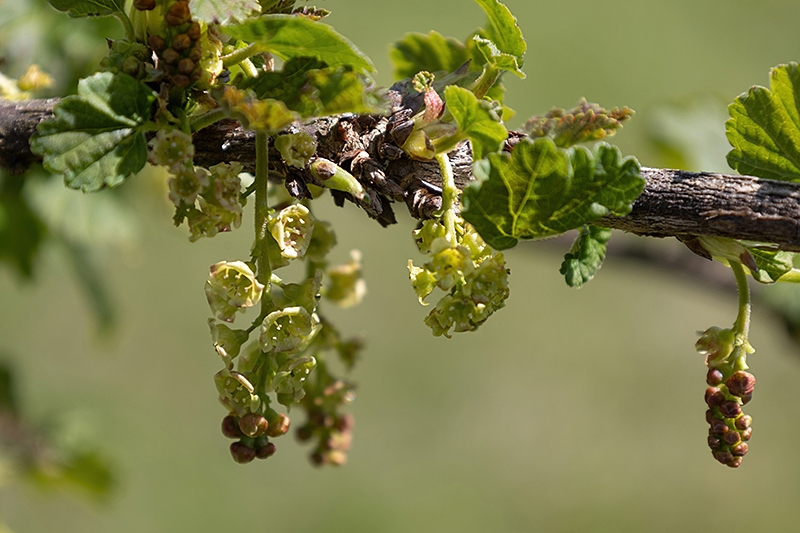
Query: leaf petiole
point(240, 55)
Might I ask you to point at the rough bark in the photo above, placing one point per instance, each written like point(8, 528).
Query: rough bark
point(674, 202)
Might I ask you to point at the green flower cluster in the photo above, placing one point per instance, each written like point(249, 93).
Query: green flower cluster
point(474, 277)
point(209, 199)
point(729, 388)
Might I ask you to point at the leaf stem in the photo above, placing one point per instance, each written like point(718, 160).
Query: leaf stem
point(237, 56)
point(741, 327)
point(449, 196)
point(485, 82)
point(130, 34)
point(206, 119)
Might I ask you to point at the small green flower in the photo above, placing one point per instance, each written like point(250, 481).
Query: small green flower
point(228, 342)
point(288, 330)
point(347, 286)
point(429, 231)
point(230, 287)
point(292, 228)
point(185, 186)
point(297, 149)
point(423, 281)
point(170, 148)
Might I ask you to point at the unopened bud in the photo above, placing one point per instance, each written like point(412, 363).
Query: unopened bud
point(178, 13)
point(714, 377)
point(714, 397)
point(743, 422)
point(278, 425)
point(230, 427)
point(730, 409)
point(740, 449)
point(268, 450)
point(242, 453)
point(253, 424)
point(732, 437)
point(741, 383)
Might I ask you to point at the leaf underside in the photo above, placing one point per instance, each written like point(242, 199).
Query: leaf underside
point(586, 255)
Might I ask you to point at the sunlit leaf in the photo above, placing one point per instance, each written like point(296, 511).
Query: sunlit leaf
point(476, 120)
point(764, 128)
point(433, 52)
point(223, 11)
point(289, 36)
point(540, 190)
point(503, 29)
point(89, 8)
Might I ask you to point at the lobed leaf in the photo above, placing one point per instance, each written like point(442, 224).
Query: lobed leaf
point(540, 190)
point(764, 128)
point(586, 255)
point(289, 36)
point(477, 120)
point(496, 57)
point(503, 29)
point(96, 138)
point(89, 8)
point(583, 123)
point(223, 11)
point(432, 53)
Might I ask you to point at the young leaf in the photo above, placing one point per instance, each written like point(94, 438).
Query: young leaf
point(432, 53)
point(89, 8)
point(289, 36)
point(764, 128)
point(503, 29)
point(771, 265)
point(540, 190)
point(223, 11)
point(255, 114)
point(97, 136)
point(586, 255)
point(583, 123)
point(476, 120)
point(497, 58)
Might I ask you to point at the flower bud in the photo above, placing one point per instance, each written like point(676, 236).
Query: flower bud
point(253, 424)
point(740, 449)
point(144, 5)
point(732, 437)
point(156, 43)
point(278, 425)
point(741, 383)
point(719, 427)
point(266, 451)
point(723, 456)
point(743, 422)
point(170, 56)
point(178, 13)
point(714, 377)
point(332, 176)
point(734, 462)
point(714, 397)
point(747, 433)
point(714, 443)
point(181, 42)
point(194, 32)
point(304, 433)
point(730, 409)
point(242, 453)
point(230, 427)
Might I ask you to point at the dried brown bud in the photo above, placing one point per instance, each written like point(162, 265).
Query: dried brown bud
point(185, 66)
point(170, 56)
point(178, 13)
point(181, 42)
point(194, 31)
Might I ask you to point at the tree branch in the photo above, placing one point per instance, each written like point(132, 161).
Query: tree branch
point(674, 202)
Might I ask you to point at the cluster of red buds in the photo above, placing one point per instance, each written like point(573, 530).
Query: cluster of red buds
point(253, 432)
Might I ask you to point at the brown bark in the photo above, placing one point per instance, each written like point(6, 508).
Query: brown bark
point(674, 202)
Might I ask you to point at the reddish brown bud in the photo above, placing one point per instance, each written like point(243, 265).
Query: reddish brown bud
point(732, 437)
point(734, 463)
point(714, 377)
point(741, 383)
point(181, 42)
point(743, 422)
point(156, 43)
point(196, 53)
point(304, 433)
point(144, 5)
point(170, 56)
point(714, 397)
point(719, 427)
point(730, 409)
point(253, 424)
point(178, 13)
point(714, 443)
point(279, 425)
point(230, 427)
point(723, 456)
point(242, 453)
point(746, 398)
point(747, 433)
point(185, 66)
point(709, 415)
point(268, 450)
point(740, 449)
point(194, 31)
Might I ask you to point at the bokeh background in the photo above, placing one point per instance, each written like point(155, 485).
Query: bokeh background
point(569, 411)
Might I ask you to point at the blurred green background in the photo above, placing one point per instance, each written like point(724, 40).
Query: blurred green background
point(568, 411)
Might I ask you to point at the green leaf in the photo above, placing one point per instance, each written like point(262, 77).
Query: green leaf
point(764, 128)
point(496, 58)
point(503, 29)
point(771, 264)
point(89, 8)
point(586, 255)
point(97, 136)
point(223, 11)
point(540, 190)
point(583, 123)
point(432, 53)
point(477, 120)
point(311, 88)
point(289, 36)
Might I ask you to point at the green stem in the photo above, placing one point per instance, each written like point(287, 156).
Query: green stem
point(449, 196)
point(206, 119)
point(249, 68)
point(241, 54)
point(485, 82)
point(130, 34)
point(264, 269)
point(741, 327)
